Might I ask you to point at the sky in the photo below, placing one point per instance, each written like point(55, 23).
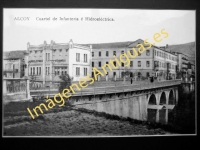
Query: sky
point(128, 25)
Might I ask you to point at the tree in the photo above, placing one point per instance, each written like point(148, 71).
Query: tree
point(127, 73)
point(32, 79)
point(66, 82)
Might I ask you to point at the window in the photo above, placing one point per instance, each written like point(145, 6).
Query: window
point(147, 63)
point(114, 73)
point(148, 52)
point(114, 53)
point(65, 72)
point(47, 56)
point(99, 64)
point(122, 52)
point(99, 53)
point(31, 70)
point(169, 57)
point(34, 70)
point(147, 74)
point(155, 52)
point(163, 65)
point(139, 74)
point(107, 53)
point(85, 71)
point(40, 69)
point(139, 63)
point(114, 63)
point(92, 54)
point(131, 64)
point(46, 71)
point(77, 57)
point(122, 64)
point(92, 64)
point(156, 63)
point(35, 52)
point(131, 51)
point(106, 62)
point(160, 64)
point(85, 57)
point(139, 54)
point(77, 71)
point(37, 71)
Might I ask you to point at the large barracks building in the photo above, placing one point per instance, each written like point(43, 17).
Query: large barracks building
point(47, 62)
point(153, 61)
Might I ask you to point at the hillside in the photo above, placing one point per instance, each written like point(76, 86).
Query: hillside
point(188, 49)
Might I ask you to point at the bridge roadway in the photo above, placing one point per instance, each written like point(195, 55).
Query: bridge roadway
point(109, 89)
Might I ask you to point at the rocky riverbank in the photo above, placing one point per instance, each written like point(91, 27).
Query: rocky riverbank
point(75, 123)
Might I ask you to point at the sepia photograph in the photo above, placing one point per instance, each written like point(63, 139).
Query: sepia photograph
point(91, 72)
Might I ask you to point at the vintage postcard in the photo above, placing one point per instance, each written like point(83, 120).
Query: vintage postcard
point(98, 72)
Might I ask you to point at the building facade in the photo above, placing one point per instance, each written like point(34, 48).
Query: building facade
point(46, 62)
point(153, 62)
point(182, 61)
point(13, 64)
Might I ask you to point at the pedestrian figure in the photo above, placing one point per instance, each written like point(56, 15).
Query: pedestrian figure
point(131, 80)
point(151, 79)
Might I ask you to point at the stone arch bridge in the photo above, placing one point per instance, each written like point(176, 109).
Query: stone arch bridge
point(145, 102)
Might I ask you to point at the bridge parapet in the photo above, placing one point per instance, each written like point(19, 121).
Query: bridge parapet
point(116, 88)
point(16, 89)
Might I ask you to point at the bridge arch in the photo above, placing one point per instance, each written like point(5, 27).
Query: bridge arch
point(152, 100)
point(172, 100)
point(163, 98)
point(151, 113)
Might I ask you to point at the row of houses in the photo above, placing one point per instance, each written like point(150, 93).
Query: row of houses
point(46, 62)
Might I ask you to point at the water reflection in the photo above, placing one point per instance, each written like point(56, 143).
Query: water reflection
point(163, 115)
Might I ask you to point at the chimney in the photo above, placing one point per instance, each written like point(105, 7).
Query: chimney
point(166, 45)
point(28, 45)
point(70, 43)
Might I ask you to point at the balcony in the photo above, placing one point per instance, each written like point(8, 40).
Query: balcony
point(184, 58)
point(11, 70)
point(184, 63)
point(33, 61)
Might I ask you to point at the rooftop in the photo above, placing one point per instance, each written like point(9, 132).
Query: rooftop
point(109, 45)
point(18, 54)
